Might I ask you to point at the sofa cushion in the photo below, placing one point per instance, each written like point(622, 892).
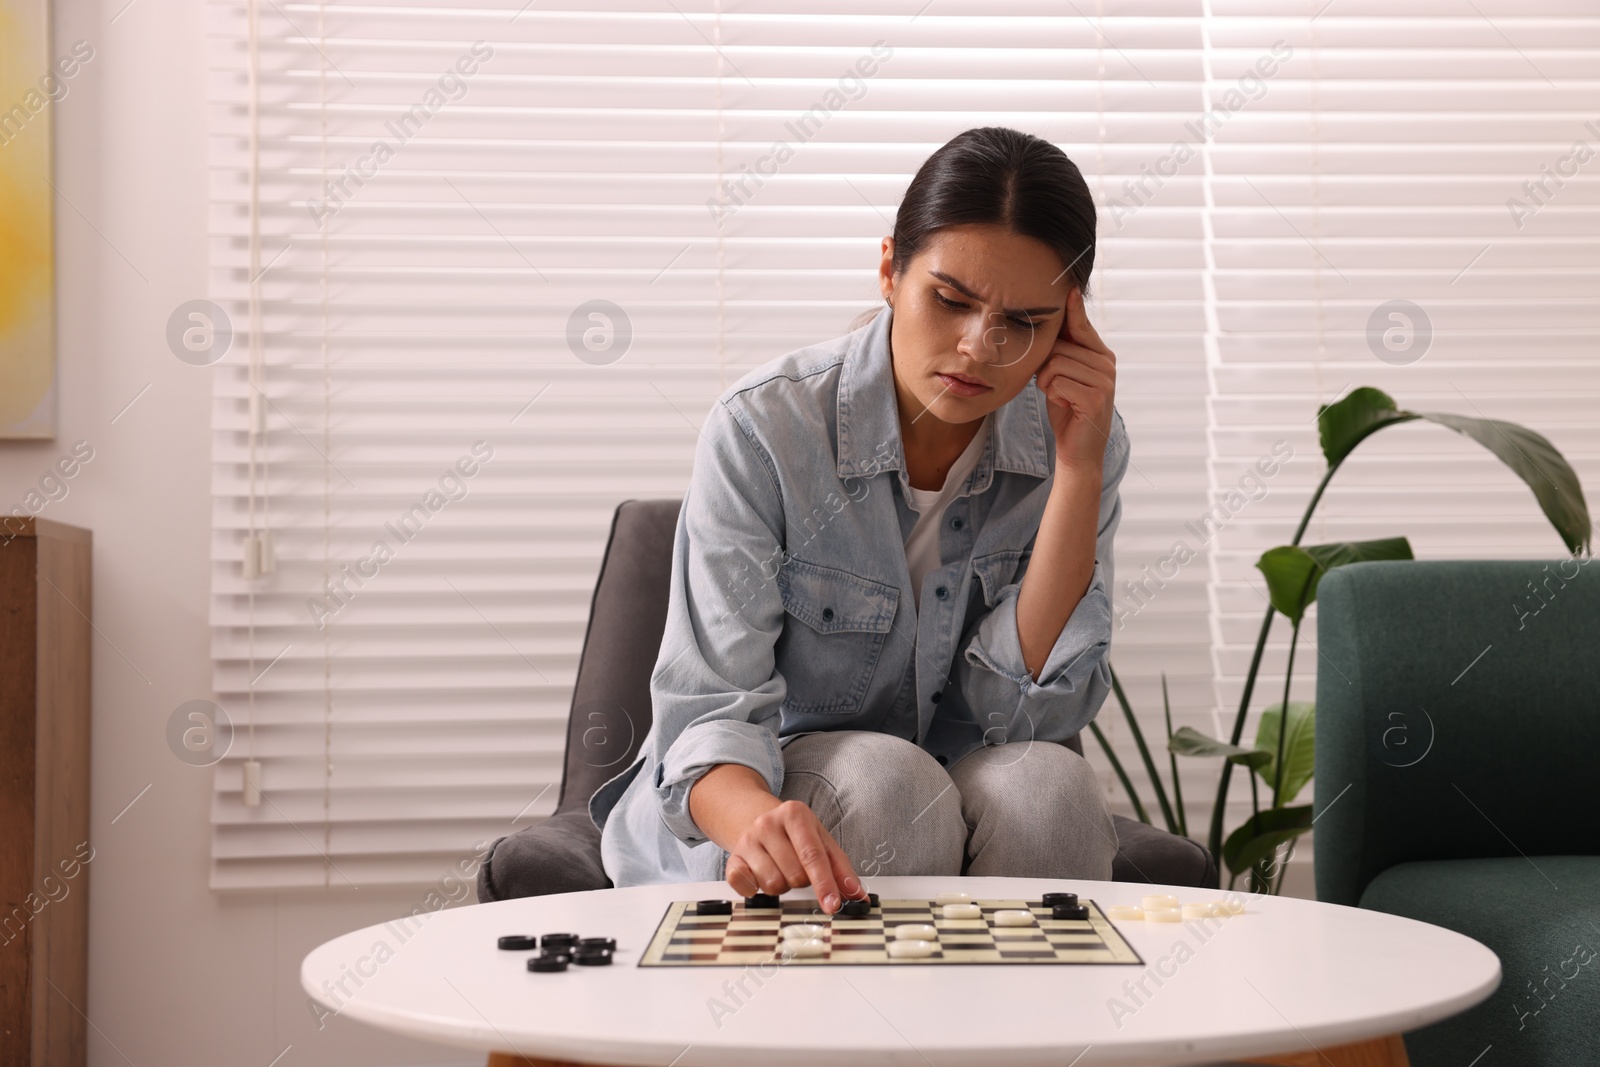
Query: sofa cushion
point(1541, 916)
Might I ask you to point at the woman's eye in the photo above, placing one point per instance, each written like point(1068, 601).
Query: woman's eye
point(944, 301)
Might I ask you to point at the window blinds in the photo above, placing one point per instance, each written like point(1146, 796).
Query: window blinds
point(1363, 229)
point(488, 266)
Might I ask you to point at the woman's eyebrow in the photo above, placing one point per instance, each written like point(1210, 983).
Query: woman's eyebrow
point(952, 283)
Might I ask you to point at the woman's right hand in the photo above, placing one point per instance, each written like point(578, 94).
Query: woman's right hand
point(773, 845)
point(787, 847)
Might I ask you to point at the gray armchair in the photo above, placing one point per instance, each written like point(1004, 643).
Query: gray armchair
point(611, 713)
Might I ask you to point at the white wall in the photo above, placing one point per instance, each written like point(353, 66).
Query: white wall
point(178, 975)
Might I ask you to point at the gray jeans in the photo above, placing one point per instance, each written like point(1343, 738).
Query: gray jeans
point(1031, 810)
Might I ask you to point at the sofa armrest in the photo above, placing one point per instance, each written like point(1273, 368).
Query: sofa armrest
point(1455, 714)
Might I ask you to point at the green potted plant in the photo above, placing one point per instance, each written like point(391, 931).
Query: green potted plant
point(1282, 757)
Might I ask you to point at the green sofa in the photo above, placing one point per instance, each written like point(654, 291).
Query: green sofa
point(1457, 774)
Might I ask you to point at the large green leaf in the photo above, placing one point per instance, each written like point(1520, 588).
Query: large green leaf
point(1260, 835)
point(1536, 461)
point(1345, 424)
point(1122, 774)
point(1293, 571)
point(1299, 746)
point(1187, 741)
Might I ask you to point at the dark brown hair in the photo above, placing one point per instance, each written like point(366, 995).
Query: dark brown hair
point(1008, 178)
point(997, 175)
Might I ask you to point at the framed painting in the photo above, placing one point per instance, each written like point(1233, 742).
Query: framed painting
point(30, 85)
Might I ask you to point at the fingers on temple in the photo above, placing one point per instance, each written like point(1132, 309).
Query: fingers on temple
point(1065, 390)
point(1088, 374)
point(1079, 328)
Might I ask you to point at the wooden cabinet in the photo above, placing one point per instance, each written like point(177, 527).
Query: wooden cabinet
point(45, 608)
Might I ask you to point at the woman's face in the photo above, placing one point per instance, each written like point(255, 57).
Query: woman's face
point(979, 303)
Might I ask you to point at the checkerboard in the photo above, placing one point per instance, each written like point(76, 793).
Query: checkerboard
point(685, 939)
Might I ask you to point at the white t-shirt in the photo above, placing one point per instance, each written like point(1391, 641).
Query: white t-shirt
point(922, 545)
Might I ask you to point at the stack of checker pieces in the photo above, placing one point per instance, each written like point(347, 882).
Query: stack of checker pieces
point(748, 934)
point(558, 950)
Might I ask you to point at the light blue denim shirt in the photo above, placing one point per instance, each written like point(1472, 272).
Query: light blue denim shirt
point(791, 611)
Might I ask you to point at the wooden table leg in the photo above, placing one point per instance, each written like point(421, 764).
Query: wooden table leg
point(1379, 1052)
point(507, 1059)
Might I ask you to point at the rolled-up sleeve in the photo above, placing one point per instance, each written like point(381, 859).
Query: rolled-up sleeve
point(1076, 677)
point(716, 695)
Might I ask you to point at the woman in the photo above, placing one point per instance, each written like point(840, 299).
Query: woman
point(891, 575)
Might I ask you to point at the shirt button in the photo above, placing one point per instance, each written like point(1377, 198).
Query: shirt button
point(955, 523)
point(827, 613)
point(937, 695)
point(941, 592)
point(942, 760)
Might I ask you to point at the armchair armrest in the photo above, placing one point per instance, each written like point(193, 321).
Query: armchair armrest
point(1456, 714)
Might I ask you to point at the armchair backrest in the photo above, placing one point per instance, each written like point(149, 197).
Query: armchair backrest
point(1458, 714)
point(611, 710)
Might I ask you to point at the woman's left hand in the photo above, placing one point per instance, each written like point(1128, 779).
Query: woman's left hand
point(1079, 379)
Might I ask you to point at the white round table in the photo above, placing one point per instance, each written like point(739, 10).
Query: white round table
point(1285, 976)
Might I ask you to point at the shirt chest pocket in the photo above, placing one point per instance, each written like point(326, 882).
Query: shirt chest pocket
point(832, 637)
point(996, 570)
